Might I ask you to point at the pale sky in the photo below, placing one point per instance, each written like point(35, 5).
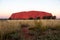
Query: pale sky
point(7, 7)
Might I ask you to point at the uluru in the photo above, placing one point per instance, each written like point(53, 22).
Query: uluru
point(32, 15)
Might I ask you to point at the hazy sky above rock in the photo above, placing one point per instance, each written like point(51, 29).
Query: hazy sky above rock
point(7, 7)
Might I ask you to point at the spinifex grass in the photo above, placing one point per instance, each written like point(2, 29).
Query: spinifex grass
point(41, 29)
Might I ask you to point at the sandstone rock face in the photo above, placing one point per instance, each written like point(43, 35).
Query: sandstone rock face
point(31, 15)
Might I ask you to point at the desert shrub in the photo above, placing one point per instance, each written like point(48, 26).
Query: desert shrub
point(37, 23)
point(11, 36)
point(49, 31)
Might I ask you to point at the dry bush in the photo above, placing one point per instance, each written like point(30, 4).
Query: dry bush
point(8, 26)
point(12, 25)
